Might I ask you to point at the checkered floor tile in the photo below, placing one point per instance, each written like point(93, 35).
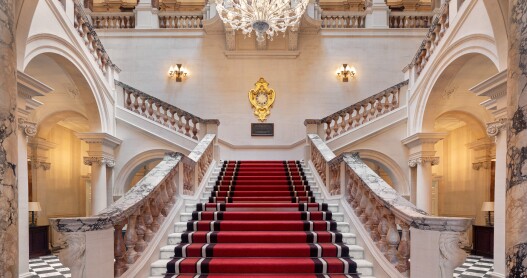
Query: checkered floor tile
point(49, 267)
point(475, 266)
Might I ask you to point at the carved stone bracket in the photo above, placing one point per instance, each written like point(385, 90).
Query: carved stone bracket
point(478, 165)
point(29, 128)
point(433, 160)
point(90, 160)
point(494, 128)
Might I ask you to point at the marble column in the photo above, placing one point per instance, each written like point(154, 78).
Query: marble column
point(25, 129)
point(497, 131)
point(424, 180)
point(101, 158)
point(422, 156)
point(8, 143)
point(516, 191)
point(482, 151)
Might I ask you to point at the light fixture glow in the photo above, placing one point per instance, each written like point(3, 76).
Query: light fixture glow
point(262, 16)
point(178, 71)
point(345, 72)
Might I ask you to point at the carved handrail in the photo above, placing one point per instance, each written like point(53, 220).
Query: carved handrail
point(144, 207)
point(181, 20)
point(361, 112)
point(119, 20)
point(166, 114)
point(437, 30)
point(383, 212)
point(343, 20)
point(410, 20)
point(87, 32)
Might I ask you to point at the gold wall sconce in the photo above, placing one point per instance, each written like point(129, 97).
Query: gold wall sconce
point(178, 71)
point(345, 72)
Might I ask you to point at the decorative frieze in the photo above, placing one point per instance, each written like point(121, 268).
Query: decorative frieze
point(433, 160)
point(90, 160)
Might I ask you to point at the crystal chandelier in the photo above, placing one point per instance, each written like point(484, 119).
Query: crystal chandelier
point(262, 16)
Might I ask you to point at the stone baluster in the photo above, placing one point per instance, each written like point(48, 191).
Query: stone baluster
point(392, 238)
point(119, 251)
point(128, 101)
point(180, 122)
point(195, 128)
point(147, 218)
point(150, 109)
point(164, 200)
point(363, 206)
point(140, 245)
point(368, 212)
point(155, 210)
point(395, 98)
point(382, 229)
point(374, 219)
point(172, 118)
point(136, 104)
point(336, 125)
point(328, 129)
point(343, 122)
point(143, 104)
point(131, 238)
point(403, 251)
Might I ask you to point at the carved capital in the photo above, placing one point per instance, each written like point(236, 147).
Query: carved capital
point(433, 160)
point(29, 128)
point(90, 160)
point(478, 165)
point(44, 165)
point(494, 128)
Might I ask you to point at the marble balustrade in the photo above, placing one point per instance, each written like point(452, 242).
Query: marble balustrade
point(87, 32)
point(141, 210)
point(361, 112)
point(386, 216)
point(181, 20)
point(166, 114)
point(120, 20)
point(410, 20)
point(437, 29)
point(343, 20)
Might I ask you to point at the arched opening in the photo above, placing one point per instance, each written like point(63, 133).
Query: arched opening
point(461, 182)
point(59, 180)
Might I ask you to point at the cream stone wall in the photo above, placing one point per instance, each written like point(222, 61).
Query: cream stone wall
point(306, 87)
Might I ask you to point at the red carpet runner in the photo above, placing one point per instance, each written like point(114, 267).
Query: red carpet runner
point(261, 220)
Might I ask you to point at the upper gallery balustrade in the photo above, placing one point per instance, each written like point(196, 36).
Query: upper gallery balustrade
point(119, 15)
point(164, 113)
point(361, 112)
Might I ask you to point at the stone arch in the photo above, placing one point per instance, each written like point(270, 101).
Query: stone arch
point(395, 172)
point(77, 65)
point(47, 123)
point(133, 165)
point(464, 48)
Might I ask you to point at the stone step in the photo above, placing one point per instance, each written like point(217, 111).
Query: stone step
point(347, 238)
point(186, 216)
point(159, 267)
point(180, 227)
point(190, 207)
point(356, 251)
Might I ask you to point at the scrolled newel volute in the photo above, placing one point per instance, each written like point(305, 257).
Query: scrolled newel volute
point(450, 244)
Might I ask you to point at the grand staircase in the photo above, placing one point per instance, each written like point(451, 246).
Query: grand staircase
point(262, 218)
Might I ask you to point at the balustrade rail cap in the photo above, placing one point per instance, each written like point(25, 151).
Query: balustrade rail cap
point(385, 194)
point(344, 110)
point(200, 149)
point(402, 208)
point(312, 121)
point(124, 207)
point(147, 96)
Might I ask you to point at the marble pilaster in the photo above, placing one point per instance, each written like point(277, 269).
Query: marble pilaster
point(422, 156)
point(8, 143)
point(516, 190)
point(40, 166)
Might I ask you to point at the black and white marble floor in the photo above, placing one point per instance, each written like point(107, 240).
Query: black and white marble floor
point(475, 266)
point(49, 267)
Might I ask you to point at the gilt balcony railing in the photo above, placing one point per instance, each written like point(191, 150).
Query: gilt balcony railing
point(361, 112)
point(142, 210)
point(163, 113)
point(386, 216)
